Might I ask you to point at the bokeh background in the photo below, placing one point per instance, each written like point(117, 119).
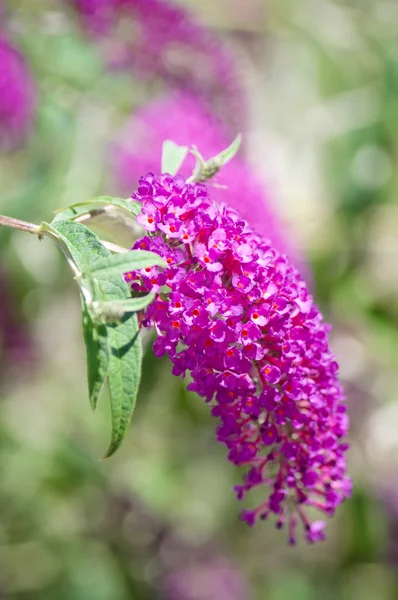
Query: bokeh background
point(88, 89)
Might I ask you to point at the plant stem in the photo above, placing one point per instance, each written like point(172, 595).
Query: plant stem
point(18, 224)
point(114, 247)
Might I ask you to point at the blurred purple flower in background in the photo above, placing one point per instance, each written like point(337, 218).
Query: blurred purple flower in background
point(207, 581)
point(203, 102)
point(17, 96)
point(97, 15)
point(157, 40)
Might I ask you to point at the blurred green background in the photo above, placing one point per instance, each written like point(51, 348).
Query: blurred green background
point(159, 519)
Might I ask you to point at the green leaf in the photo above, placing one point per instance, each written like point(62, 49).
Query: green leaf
point(97, 354)
point(77, 242)
point(96, 206)
point(206, 169)
point(124, 371)
point(173, 156)
point(228, 154)
point(116, 353)
point(110, 312)
point(123, 263)
point(80, 244)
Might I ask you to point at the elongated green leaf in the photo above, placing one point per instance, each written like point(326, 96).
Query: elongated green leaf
point(173, 156)
point(226, 155)
point(128, 261)
point(125, 360)
point(83, 246)
point(206, 169)
point(117, 345)
point(114, 311)
point(97, 353)
point(77, 209)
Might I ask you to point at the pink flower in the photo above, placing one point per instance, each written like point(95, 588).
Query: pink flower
point(262, 364)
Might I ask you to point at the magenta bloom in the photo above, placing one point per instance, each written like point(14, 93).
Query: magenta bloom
point(183, 119)
point(17, 96)
point(97, 15)
point(233, 313)
point(155, 39)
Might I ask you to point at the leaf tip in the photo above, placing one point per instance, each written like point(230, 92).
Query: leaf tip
point(111, 450)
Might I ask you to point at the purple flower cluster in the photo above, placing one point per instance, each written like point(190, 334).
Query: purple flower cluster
point(233, 313)
point(17, 96)
point(156, 39)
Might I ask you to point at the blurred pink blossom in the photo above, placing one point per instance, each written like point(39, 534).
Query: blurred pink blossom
point(207, 582)
point(97, 15)
point(17, 96)
point(159, 41)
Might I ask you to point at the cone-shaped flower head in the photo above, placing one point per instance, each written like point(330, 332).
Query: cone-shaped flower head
point(234, 314)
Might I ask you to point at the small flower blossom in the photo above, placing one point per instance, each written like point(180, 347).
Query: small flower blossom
point(260, 359)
